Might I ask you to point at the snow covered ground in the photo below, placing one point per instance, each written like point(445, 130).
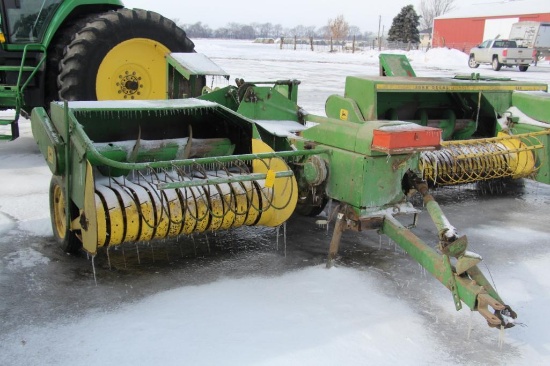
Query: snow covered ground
point(254, 306)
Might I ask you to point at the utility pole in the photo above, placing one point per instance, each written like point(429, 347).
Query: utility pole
point(379, 22)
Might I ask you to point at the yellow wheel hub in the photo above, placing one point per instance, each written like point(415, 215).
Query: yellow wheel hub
point(134, 69)
point(60, 218)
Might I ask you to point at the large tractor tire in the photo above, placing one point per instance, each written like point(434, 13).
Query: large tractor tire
point(56, 50)
point(120, 55)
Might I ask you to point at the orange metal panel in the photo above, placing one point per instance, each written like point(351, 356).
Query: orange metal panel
point(405, 138)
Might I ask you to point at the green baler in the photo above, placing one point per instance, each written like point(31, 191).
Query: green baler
point(249, 155)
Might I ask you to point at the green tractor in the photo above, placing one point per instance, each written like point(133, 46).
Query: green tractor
point(81, 50)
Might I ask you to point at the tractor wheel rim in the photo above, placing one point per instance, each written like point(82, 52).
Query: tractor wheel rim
point(133, 69)
point(60, 219)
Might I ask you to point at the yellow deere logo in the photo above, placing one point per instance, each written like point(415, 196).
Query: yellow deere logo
point(344, 114)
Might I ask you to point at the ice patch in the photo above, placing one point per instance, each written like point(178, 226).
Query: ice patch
point(5, 224)
point(25, 258)
point(40, 227)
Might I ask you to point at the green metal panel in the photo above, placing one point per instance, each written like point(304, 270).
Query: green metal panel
point(343, 108)
point(225, 96)
point(421, 100)
point(395, 65)
point(534, 104)
point(332, 132)
point(367, 180)
point(267, 103)
point(49, 142)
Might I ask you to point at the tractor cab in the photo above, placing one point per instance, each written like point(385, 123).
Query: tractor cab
point(53, 50)
point(26, 21)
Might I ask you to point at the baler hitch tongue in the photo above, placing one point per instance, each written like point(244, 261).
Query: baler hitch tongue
point(503, 317)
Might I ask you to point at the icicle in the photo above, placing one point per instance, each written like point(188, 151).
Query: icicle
point(137, 251)
point(470, 324)
point(329, 212)
point(277, 235)
point(93, 269)
point(124, 257)
point(194, 244)
point(207, 243)
point(284, 237)
point(109, 258)
point(152, 252)
point(501, 337)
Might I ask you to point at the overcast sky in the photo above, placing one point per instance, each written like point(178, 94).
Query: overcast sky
point(289, 13)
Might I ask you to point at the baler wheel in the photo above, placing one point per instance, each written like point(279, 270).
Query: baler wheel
point(121, 55)
point(66, 238)
point(308, 208)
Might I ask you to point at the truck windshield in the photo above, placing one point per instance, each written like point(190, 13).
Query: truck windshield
point(27, 20)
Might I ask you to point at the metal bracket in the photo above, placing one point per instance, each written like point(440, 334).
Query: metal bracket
point(452, 284)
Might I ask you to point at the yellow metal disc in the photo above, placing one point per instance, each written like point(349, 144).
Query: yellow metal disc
point(520, 163)
point(282, 196)
point(131, 214)
point(190, 215)
point(114, 213)
point(201, 208)
point(145, 210)
point(158, 201)
point(175, 212)
point(215, 200)
point(134, 69)
point(239, 205)
point(229, 206)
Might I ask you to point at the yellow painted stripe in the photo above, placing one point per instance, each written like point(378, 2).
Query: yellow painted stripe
point(470, 88)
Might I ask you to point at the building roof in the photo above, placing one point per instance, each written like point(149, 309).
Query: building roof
point(494, 8)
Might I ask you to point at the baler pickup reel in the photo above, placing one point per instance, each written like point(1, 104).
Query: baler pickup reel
point(139, 171)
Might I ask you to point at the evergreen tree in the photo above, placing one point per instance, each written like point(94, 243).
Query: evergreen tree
point(404, 27)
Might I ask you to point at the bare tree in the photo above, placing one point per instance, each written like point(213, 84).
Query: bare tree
point(429, 9)
point(338, 27)
point(354, 31)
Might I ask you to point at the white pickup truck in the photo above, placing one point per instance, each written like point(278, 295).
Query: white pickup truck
point(501, 52)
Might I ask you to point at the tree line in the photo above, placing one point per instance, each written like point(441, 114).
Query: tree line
point(405, 27)
point(270, 30)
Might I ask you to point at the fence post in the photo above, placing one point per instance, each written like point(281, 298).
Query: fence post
point(295, 43)
point(331, 49)
point(353, 45)
point(282, 41)
point(311, 42)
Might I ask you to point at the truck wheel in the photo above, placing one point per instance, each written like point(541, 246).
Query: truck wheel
point(66, 238)
point(120, 55)
point(472, 62)
point(496, 65)
point(523, 68)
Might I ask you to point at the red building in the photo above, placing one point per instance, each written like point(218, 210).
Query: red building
point(469, 25)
